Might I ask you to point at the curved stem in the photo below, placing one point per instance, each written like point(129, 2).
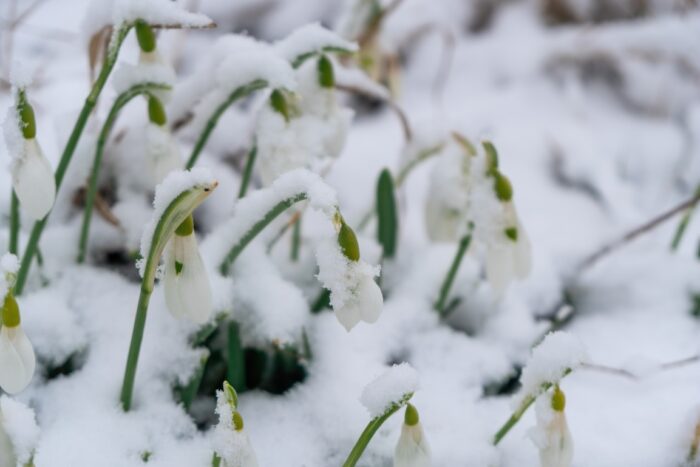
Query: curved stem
point(13, 246)
point(276, 210)
point(368, 433)
point(248, 171)
point(90, 102)
point(238, 93)
point(515, 418)
point(119, 103)
point(135, 348)
point(451, 274)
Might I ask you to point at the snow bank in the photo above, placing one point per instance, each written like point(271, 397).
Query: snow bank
point(19, 423)
point(309, 39)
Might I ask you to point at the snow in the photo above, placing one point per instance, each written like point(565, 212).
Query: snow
point(174, 184)
point(557, 354)
point(389, 389)
point(309, 39)
point(127, 76)
point(9, 265)
point(158, 12)
point(597, 127)
point(19, 422)
point(14, 140)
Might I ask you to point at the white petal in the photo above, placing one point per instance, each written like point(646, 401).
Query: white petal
point(187, 294)
point(17, 360)
point(34, 182)
point(523, 254)
point(349, 315)
point(370, 299)
point(412, 450)
point(441, 222)
point(163, 152)
point(560, 447)
point(499, 267)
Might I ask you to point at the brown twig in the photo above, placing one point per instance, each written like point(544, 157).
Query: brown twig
point(636, 232)
point(610, 370)
point(211, 25)
point(400, 114)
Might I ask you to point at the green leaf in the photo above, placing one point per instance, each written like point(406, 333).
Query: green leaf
point(387, 218)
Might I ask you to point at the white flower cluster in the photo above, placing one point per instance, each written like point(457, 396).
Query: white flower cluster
point(469, 195)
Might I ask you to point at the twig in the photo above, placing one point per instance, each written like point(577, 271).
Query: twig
point(634, 233)
point(610, 370)
point(211, 25)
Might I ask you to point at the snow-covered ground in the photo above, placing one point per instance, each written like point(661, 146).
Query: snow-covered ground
point(597, 125)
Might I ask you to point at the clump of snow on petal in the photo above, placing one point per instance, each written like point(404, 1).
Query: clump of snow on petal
point(231, 445)
point(558, 353)
point(257, 63)
point(311, 38)
point(390, 388)
point(14, 140)
point(158, 12)
point(19, 423)
point(21, 75)
point(356, 78)
point(174, 184)
point(9, 265)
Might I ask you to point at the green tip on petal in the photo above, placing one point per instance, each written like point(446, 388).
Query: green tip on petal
point(186, 228)
point(231, 395)
point(502, 187)
point(145, 36)
point(348, 242)
point(279, 103)
point(326, 75)
point(411, 417)
point(512, 233)
point(10, 312)
point(156, 111)
point(558, 399)
point(26, 116)
point(237, 421)
point(178, 267)
point(491, 157)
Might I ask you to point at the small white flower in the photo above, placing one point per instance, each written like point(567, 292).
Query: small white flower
point(552, 435)
point(186, 283)
point(412, 450)
point(508, 256)
point(163, 152)
point(33, 180)
point(365, 304)
point(17, 360)
point(231, 442)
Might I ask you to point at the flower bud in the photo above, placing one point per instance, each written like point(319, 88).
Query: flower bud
point(10, 312)
point(156, 112)
point(17, 360)
point(237, 420)
point(326, 75)
point(502, 187)
point(26, 116)
point(145, 36)
point(348, 242)
point(558, 399)
point(491, 157)
point(412, 449)
point(231, 395)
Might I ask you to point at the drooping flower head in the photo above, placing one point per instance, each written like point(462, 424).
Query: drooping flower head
point(17, 360)
point(552, 435)
point(231, 442)
point(32, 177)
point(185, 282)
point(412, 449)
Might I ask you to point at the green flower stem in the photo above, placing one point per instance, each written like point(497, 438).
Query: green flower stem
point(515, 418)
point(215, 460)
point(680, 230)
point(369, 432)
point(238, 93)
point(248, 171)
point(13, 247)
point(276, 210)
point(173, 216)
point(235, 364)
point(451, 274)
point(135, 347)
point(88, 106)
point(119, 103)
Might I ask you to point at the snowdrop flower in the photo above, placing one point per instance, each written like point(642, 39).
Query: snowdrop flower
point(365, 301)
point(163, 152)
point(17, 360)
point(231, 442)
point(552, 435)
point(186, 283)
point(412, 450)
point(32, 177)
